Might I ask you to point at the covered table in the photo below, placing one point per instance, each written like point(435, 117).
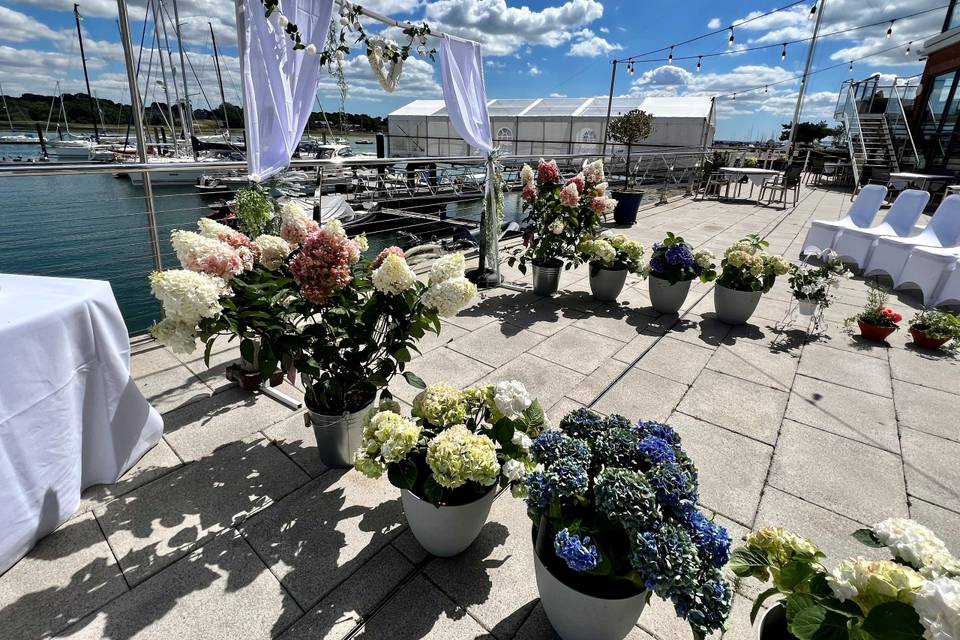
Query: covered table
point(755, 175)
point(70, 413)
point(904, 180)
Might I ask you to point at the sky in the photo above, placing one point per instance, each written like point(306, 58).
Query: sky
point(532, 49)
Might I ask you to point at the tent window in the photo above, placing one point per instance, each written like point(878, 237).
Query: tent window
point(505, 139)
point(587, 139)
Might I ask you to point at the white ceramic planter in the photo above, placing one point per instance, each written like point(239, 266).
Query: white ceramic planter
point(338, 436)
point(578, 616)
point(606, 284)
point(735, 307)
point(666, 297)
point(546, 280)
point(807, 307)
point(446, 531)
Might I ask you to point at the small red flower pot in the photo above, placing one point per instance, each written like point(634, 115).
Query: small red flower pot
point(921, 339)
point(874, 332)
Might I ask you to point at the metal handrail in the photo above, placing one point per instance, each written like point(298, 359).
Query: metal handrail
point(906, 125)
point(853, 160)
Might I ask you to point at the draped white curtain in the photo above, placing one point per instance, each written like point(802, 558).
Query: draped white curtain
point(465, 96)
point(279, 83)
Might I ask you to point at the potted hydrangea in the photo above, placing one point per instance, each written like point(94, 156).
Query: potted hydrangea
point(613, 505)
point(915, 596)
point(673, 266)
point(931, 329)
point(877, 321)
point(559, 215)
point(747, 272)
point(611, 256)
point(811, 285)
point(449, 458)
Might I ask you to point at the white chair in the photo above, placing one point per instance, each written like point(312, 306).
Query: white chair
point(928, 268)
point(950, 289)
point(823, 233)
point(856, 245)
point(890, 254)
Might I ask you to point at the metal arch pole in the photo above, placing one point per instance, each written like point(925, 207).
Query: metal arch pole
point(606, 122)
point(806, 73)
point(137, 108)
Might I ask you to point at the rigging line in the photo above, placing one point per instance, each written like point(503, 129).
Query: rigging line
point(712, 33)
point(789, 42)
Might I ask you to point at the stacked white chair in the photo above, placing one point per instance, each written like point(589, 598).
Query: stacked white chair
point(891, 253)
point(856, 245)
point(949, 290)
point(929, 268)
point(823, 233)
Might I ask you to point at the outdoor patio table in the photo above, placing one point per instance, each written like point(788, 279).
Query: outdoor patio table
point(70, 413)
point(905, 179)
point(755, 175)
point(953, 188)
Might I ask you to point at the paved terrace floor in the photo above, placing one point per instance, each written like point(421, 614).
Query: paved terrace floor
point(232, 528)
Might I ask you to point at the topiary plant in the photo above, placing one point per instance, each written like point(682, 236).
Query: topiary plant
point(629, 129)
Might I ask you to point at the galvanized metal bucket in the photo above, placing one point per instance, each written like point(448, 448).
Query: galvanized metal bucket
point(666, 297)
point(546, 280)
point(735, 307)
point(606, 284)
point(338, 436)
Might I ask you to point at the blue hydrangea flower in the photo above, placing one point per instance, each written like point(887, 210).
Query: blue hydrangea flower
point(626, 497)
point(657, 246)
point(707, 607)
point(583, 424)
point(551, 446)
point(679, 255)
point(567, 479)
point(615, 421)
point(579, 554)
point(712, 540)
point(657, 265)
point(618, 448)
point(659, 430)
point(538, 491)
point(656, 450)
point(675, 486)
point(666, 558)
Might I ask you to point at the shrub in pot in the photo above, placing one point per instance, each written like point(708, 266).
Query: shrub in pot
point(450, 457)
point(629, 129)
point(611, 257)
point(912, 597)
point(673, 266)
point(812, 285)
point(747, 272)
point(559, 215)
point(932, 329)
point(877, 321)
point(613, 506)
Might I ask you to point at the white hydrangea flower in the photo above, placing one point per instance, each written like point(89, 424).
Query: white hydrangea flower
point(522, 440)
point(527, 175)
point(393, 276)
point(704, 258)
point(187, 295)
point(556, 227)
point(938, 605)
point(199, 253)
point(917, 545)
point(212, 229)
point(511, 398)
point(273, 250)
point(362, 242)
point(447, 267)
point(335, 227)
point(178, 335)
point(513, 470)
point(593, 171)
point(449, 296)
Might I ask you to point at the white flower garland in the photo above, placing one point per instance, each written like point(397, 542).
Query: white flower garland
point(389, 79)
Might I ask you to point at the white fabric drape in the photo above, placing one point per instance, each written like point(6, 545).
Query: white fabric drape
point(279, 83)
point(465, 96)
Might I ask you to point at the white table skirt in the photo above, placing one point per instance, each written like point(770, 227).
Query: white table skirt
point(755, 175)
point(71, 415)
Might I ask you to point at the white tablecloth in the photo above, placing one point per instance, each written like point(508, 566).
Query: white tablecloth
point(70, 414)
point(755, 175)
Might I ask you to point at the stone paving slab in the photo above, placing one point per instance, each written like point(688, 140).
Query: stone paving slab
point(846, 369)
point(675, 360)
point(926, 409)
point(642, 395)
point(757, 364)
point(440, 365)
point(155, 463)
point(577, 349)
point(545, 380)
point(496, 344)
point(165, 382)
point(739, 405)
point(931, 467)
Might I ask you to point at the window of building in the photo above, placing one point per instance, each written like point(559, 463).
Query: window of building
point(587, 141)
point(505, 139)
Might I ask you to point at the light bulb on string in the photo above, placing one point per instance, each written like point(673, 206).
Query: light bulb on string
point(734, 97)
point(908, 47)
point(783, 54)
point(699, 62)
point(630, 68)
point(766, 89)
point(670, 57)
point(730, 39)
point(813, 11)
point(802, 80)
point(890, 29)
point(851, 66)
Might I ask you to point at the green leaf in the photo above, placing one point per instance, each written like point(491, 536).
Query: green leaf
point(866, 537)
point(432, 491)
point(503, 431)
point(403, 474)
point(816, 623)
point(207, 350)
point(534, 415)
point(758, 603)
point(797, 602)
point(748, 561)
point(402, 354)
point(893, 621)
point(794, 573)
point(414, 380)
point(247, 350)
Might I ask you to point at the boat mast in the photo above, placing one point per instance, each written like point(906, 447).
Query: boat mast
point(5, 109)
point(163, 73)
point(63, 110)
point(173, 74)
point(223, 98)
point(86, 77)
point(183, 69)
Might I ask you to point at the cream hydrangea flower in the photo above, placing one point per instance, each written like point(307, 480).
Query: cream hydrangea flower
point(938, 605)
point(273, 250)
point(393, 276)
point(511, 398)
point(593, 171)
point(527, 176)
point(449, 296)
point(367, 465)
point(457, 455)
point(188, 295)
point(556, 227)
point(448, 267)
point(779, 265)
point(440, 404)
point(213, 229)
point(391, 435)
point(362, 243)
point(207, 255)
point(873, 582)
point(917, 545)
point(704, 258)
point(295, 225)
point(178, 335)
point(335, 227)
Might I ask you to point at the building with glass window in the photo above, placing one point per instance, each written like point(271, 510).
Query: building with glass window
point(551, 126)
point(934, 113)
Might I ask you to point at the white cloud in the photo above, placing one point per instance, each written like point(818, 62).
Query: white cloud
point(714, 23)
point(533, 70)
point(558, 95)
point(18, 27)
point(590, 45)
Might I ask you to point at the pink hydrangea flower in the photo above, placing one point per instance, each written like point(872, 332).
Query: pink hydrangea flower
point(548, 172)
point(577, 180)
point(296, 230)
point(323, 265)
point(598, 204)
point(570, 196)
point(383, 255)
point(529, 193)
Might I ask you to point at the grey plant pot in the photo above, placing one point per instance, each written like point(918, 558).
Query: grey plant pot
point(446, 531)
point(546, 280)
point(735, 307)
point(807, 307)
point(338, 436)
point(666, 297)
point(606, 284)
point(577, 616)
point(772, 625)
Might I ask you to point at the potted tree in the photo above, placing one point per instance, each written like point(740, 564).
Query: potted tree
point(931, 329)
point(611, 257)
point(615, 520)
point(450, 457)
point(877, 321)
point(629, 129)
point(673, 266)
point(747, 272)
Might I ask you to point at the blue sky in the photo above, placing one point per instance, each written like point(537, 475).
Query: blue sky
point(532, 49)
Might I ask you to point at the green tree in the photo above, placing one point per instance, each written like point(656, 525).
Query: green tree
point(629, 129)
point(808, 132)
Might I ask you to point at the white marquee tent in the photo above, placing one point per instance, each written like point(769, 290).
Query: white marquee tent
point(551, 126)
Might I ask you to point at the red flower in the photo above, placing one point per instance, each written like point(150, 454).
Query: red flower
point(548, 172)
point(891, 315)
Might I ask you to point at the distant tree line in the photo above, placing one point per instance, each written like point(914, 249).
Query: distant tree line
point(808, 132)
point(31, 107)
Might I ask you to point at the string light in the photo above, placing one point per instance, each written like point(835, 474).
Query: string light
point(766, 88)
point(813, 11)
point(730, 40)
point(734, 97)
point(630, 68)
point(783, 54)
point(851, 66)
point(890, 29)
point(802, 81)
point(699, 62)
point(908, 47)
point(670, 57)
